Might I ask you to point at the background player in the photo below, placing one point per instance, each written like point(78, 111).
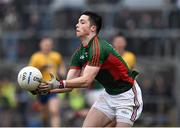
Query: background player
point(49, 61)
point(97, 59)
point(119, 43)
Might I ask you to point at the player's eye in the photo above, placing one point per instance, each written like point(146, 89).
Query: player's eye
point(82, 21)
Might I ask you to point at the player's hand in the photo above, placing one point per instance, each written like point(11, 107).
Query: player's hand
point(44, 87)
point(50, 85)
point(54, 83)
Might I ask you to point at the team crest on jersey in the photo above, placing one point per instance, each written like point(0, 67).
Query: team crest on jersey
point(82, 57)
point(86, 54)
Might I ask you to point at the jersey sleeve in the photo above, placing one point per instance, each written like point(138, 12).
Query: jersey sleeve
point(130, 59)
point(96, 54)
point(132, 63)
point(32, 61)
point(75, 63)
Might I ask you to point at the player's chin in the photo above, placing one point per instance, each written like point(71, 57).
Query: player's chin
point(78, 34)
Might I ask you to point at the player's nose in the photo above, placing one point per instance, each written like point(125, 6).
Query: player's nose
point(77, 25)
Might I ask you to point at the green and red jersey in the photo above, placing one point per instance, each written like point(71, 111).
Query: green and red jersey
point(114, 73)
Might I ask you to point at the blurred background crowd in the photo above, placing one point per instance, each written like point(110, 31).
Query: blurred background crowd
point(152, 29)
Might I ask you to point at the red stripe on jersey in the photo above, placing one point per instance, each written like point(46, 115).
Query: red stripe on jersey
point(117, 69)
point(93, 53)
point(96, 52)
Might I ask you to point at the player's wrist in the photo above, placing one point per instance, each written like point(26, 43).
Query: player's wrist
point(62, 83)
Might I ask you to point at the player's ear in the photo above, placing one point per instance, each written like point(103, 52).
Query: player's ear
point(93, 28)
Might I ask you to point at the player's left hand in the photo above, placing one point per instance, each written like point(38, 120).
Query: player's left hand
point(44, 87)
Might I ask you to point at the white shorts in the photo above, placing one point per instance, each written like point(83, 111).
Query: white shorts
point(125, 107)
point(92, 95)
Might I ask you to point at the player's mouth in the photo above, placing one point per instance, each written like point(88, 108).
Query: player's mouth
point(77, 30)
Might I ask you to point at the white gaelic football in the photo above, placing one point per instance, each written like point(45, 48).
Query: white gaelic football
point(29, 78)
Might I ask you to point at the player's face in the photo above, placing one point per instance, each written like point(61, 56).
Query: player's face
point(46, 45)
point(83, 27)
point(119, 43)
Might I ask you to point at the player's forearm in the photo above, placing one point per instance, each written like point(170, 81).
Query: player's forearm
point(79, 82)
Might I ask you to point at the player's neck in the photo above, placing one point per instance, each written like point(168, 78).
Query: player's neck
point(86, 39)
point(45, 52)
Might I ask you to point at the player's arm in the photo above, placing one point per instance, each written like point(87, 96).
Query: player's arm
point(61, 86)
point(83, 81)
point(73, 81)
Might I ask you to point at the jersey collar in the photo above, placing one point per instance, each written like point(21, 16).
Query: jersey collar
point(89, 42)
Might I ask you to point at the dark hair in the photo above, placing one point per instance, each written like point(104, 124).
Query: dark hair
point(121, 34)
point(95, 19)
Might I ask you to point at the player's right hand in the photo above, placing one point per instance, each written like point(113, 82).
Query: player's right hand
point(42, 89)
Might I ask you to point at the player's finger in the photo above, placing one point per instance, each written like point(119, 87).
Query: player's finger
point(52, 76)
point(44, 90)
point(42, 85)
